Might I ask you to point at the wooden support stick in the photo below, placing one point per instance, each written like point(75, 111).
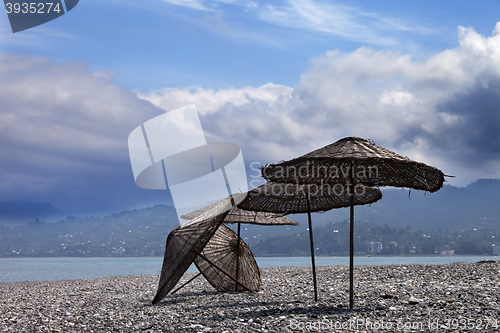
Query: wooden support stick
point(176, 290)
point(237, 258)
point(311, 243)
point(351, 242)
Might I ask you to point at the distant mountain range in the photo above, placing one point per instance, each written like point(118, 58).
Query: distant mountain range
point(449, 208)
point(488, 187)
point(139, 232)
point(20, 212)
point(466, 218)
point(15, 213)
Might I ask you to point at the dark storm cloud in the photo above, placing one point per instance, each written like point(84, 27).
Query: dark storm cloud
point(476, 137)
point(63, 134)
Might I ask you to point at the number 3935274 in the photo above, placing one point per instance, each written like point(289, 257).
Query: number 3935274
point(25, 15)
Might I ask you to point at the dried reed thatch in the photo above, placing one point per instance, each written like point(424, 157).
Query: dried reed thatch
point(227, 200)
point(183, 243)
point(291, 198)
point(237, 215)
point(381, 166)
point(222, 249)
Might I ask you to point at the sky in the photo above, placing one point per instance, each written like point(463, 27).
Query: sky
point(421, 78)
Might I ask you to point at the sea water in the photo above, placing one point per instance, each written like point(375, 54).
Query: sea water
point(48, 269)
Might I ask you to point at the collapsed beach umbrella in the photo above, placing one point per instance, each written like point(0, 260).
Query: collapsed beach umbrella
point(185, 243)
point(222, 249)
point(239, 216)
point(305, 198)
point(356, 162)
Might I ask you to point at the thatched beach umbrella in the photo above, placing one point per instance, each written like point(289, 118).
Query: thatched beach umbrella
point(239, 216)
point(305, 198)
point(186, 242)
point(355, 161)
point(222, 249)
point(281, 198)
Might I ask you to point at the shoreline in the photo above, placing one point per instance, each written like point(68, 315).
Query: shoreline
point(283, 256)
point(415, 294)
point(53, 269)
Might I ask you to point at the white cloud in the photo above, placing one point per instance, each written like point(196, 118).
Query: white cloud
point(427, 110)
point(63, 129)
point(323, 17)
point(397, 98)
point(496, 31)
point(209, 101)
point(211, 5)
point(193, 4)
point(334, 19)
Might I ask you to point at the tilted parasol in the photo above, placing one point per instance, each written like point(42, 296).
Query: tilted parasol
point(184, 243)
point(222, 249)
point(355, 161)
point(239, 216)
point(198, 212)
point(305, 198)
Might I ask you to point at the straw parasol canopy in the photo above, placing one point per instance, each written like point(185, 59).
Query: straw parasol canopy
point(222, 249)
point(236, 215)
point(374, 166)
point(292, 198)
point(355, 161)
point(239, 216)
point(198, 212)
point(183, 244)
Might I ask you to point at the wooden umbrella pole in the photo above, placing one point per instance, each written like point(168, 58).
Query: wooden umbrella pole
point(191, 279)
point(223, 271)
point(237, 258)
point(351, 245)
point(312, 248)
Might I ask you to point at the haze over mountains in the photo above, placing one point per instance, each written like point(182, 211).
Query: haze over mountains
point(20, 212)
point(449, 208)
point(466, 219)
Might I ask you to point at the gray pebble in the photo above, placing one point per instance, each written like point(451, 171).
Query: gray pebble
point(285, 301)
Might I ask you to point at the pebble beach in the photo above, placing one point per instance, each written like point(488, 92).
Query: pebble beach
point(393, 298)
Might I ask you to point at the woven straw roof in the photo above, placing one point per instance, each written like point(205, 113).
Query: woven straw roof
point(221, 249)
point(181, 242)
point(291, 198)
point(214, 208)
point(198, 212)
point(373, 166)
point(237, 215)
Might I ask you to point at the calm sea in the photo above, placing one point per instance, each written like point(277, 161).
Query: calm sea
point(47, 269)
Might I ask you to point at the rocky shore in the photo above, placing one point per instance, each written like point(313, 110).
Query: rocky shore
point(396, 298)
